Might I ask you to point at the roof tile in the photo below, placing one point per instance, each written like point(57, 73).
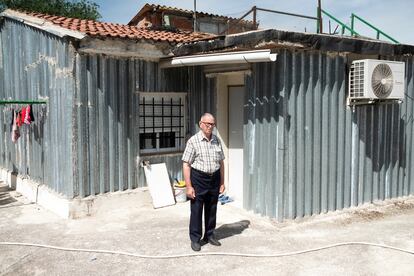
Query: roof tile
point(95, 28)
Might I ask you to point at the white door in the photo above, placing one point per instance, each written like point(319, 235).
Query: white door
point(235, 157)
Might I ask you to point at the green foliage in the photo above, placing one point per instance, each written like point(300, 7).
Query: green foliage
point(83, 9)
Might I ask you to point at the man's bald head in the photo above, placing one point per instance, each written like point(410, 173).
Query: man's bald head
point(207, 116)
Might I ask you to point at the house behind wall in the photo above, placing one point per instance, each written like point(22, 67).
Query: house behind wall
point(159, 17)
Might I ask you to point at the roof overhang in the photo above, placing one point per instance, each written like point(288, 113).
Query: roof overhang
point(278, 39)
point(41, 24)
point(221, 58)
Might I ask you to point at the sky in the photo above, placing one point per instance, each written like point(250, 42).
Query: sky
point(394, 17)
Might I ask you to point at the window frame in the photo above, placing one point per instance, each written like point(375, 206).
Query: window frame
point(183, 125)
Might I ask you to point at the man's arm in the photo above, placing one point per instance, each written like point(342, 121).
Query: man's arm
point(187, 179)
point(222, 187)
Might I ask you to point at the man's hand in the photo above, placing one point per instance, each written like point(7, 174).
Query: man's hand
point(222, 188)
point(190, 192)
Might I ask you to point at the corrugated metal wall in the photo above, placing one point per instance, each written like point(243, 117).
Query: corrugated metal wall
point(37, 64)
point(202, 96)
point(86, 140)
point(307, 153)
point(106, 125)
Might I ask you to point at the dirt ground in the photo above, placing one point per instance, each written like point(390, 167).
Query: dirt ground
point(133, 226)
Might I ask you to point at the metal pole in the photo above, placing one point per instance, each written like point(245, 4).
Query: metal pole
point(286, 13)
point(340, 23)
point(320, 16)
point(195, 15)
point(375, 28)
point(352, 22)
point(254, 17)
point(236, 22)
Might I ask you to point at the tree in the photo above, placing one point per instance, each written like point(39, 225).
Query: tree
point(83, 9)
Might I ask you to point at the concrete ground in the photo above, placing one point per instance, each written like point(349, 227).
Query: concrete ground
point(134, 226)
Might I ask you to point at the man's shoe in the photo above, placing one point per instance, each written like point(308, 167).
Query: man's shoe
point(195, 246)
point(213, 241)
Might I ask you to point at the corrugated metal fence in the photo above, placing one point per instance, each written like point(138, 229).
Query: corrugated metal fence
point(306, 152)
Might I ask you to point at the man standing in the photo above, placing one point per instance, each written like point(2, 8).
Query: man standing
point(203, 169)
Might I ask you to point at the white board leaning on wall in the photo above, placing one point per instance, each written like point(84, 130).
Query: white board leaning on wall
point(159, 185)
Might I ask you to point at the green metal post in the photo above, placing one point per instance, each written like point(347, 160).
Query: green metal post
point(375, 28)
point(344, 26)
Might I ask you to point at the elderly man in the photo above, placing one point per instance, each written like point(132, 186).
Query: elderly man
point(203, 169)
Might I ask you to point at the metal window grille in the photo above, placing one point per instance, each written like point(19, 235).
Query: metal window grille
point(161, 122)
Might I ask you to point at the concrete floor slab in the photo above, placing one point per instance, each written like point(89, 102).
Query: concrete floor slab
point(134, 226)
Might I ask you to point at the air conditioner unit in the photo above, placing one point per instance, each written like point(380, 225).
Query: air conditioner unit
point(372, 79)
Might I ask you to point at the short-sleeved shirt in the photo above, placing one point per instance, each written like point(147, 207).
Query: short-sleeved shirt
point(202, 154)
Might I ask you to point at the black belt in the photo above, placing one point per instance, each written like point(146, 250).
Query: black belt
point(205, 173)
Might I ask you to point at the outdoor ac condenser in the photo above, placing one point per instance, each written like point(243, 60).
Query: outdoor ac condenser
point(372, 79)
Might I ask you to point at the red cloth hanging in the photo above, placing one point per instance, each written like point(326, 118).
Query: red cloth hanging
point(27, 118)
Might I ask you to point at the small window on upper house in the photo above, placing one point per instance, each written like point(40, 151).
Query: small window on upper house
point(166, 19)
point(161, 122)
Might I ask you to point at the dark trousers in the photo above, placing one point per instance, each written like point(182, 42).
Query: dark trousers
point(207, 191)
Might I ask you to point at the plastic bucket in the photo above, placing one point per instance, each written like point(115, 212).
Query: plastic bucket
point(180, 194)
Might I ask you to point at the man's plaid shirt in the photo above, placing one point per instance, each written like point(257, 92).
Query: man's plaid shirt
point(203, 155)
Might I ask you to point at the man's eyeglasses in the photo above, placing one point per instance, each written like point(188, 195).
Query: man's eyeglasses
point(209, 124)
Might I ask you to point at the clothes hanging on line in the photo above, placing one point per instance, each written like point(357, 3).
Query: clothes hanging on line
point(15, 128)
point(21, 117)
point(28, 118)
point(19, 121)
point(25, 116)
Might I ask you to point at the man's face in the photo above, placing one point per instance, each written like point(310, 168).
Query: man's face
point(207, 125)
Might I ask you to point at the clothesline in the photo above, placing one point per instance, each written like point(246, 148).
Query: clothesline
point(4, 102)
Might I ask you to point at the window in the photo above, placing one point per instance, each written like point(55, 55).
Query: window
point(166, 20)
point(161, 122)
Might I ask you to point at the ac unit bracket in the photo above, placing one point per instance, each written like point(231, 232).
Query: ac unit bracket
point(353, 102)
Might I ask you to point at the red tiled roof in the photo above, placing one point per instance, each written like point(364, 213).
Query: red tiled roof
point(95, 28)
